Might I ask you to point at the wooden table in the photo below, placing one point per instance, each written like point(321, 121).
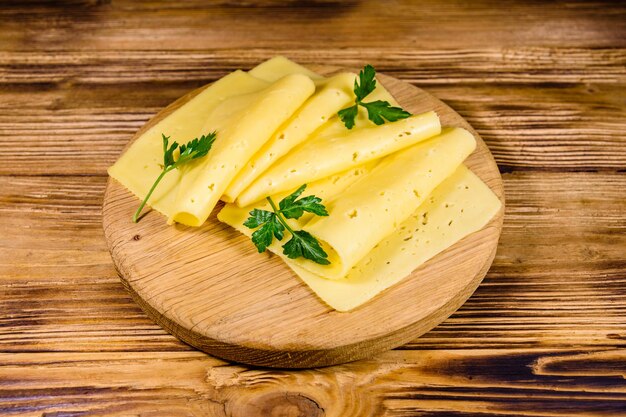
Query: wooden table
point(544, 84)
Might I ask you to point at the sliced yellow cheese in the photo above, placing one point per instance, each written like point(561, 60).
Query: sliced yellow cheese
point(276, 68)
point(372, 208)
point(335, 126)
point(142, 162)
point(327, 155)
point(460, 206)
point(335, 95)
point(241, 134)
point(327, 189)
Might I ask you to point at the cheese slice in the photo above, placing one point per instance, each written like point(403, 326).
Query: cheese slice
point(240, 135)
point(327, 155)
point(458, 207)
point(142, 162)
point(335, 126)
point(333, 96)
point(278, 67)
point(372, 207)
point(326, 189)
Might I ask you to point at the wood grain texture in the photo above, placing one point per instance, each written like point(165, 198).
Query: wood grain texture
point(534, 107)
point(209, 287)
point(507, 382)
point(542, 82)
point(195, 25)
point(530, 298)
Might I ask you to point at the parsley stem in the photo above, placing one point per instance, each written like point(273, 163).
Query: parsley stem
point(145, 200)
point(279, 216)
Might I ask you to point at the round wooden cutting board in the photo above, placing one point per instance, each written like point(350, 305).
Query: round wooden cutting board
point(210, 288)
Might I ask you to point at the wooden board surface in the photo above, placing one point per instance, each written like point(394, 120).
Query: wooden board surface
point(209, 287)
point(542, 82)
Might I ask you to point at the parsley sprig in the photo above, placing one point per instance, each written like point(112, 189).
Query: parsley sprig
point(272, 224)
point(196, 148)
point(377, 111)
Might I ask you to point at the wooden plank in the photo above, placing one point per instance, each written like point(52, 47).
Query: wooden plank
point(62, 293)
point(232, 24)
point(96, 101)
point(78, 129)
point(579, 127)
point(453, 65)
point(541, 382)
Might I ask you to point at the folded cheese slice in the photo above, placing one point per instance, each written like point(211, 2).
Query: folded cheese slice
point(371, 207)
point(458, 207)
point(240, 135)
point(332, 96)
point(330, 154)
point(318, 118)
point(336, 128)
point(141, 163)
point(327, 189)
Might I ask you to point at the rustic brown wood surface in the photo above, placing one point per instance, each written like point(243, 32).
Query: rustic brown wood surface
point(542, 82)
point(190, 291)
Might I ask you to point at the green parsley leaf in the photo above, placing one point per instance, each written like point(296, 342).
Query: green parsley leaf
point(367, 82)
point(168, 154)
point(348, 116)
point(303, 244)
point(263, 236)
point(377, 111)
point(294, 209)
point(289, 200)
point(273, 224)
point(257, 218)
point(196, 148)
